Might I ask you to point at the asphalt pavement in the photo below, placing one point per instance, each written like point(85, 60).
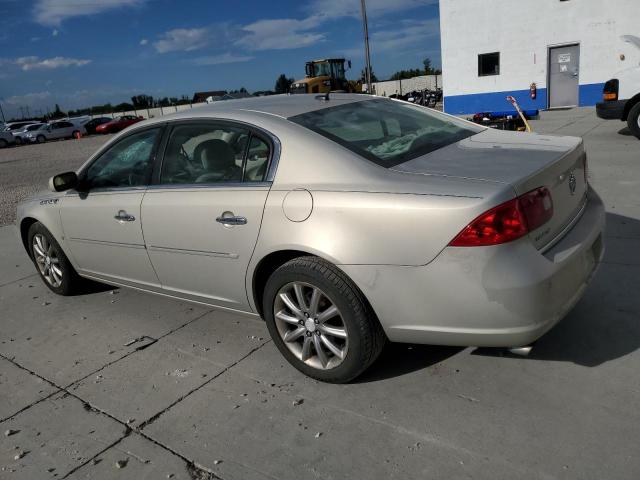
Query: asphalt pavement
point(119, 384)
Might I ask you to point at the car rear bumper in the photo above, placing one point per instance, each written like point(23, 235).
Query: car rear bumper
point(612, 110)
point(501, 296)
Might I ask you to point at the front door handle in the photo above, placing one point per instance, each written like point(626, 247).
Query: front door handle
point(123, 216)
point(232, 220)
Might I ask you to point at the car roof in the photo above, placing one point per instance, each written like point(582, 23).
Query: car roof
point(284, 106)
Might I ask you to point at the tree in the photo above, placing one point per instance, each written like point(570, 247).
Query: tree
point(363, 76)
point(57, 113)
point(427, 66)
point(142, 101)
point(283, 84)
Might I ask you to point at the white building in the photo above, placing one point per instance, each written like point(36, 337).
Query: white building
point(568, 48)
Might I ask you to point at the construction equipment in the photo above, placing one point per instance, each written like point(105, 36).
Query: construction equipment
point(327, 75)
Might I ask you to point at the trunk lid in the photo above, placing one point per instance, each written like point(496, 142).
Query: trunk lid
point(523, 161)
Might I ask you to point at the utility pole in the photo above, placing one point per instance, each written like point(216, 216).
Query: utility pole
point(2, 113)
point(367, 57)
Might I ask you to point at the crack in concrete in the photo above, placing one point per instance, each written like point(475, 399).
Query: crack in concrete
point(111, 445)
point(195, 470)
point(108, 364)
point(18, 280)
point(226, 369)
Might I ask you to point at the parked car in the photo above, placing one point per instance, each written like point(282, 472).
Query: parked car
point(53, 131)
point(15, 126)
point(6, 139)
point(343, 222)
point(18, 135)
point(621, 95)
point(91, 125)
point(118, 124)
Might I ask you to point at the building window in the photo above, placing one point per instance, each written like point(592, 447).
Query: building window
point(488, 64)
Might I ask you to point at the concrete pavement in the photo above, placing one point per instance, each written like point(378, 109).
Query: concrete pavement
point(119, 384)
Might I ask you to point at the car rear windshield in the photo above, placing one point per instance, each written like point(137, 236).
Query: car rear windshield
point(386, 132)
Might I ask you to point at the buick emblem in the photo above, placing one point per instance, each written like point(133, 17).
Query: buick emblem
point(572, 183)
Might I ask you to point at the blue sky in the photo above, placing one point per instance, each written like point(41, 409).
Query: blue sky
point(86, 52)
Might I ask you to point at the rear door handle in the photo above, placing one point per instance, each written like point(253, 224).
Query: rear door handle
point(123, 216)
point(232, 220)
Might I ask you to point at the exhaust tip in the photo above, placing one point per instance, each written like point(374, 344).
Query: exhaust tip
point(520, 351)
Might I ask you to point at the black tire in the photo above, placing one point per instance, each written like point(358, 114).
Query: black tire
point(71, 281)
point(41, 139)
point(366, 337)
point(18, 141)
point(3, 143)
point(633, 120)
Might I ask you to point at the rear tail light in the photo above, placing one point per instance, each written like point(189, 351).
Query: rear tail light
point(610, 90)
point(508, 221)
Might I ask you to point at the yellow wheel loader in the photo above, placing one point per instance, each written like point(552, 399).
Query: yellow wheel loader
point(327, 75)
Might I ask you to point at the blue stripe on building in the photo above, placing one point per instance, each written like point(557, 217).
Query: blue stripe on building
point(588, 95)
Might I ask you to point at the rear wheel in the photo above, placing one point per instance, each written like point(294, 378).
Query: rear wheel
point(75, 134)
point(41, 139)
point(53, 265)
point(633, 120)
point(320, 321)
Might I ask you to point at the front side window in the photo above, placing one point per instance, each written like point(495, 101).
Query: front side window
point(386, 132)
point(488, 64)
point(208, 153)
point(125, 164)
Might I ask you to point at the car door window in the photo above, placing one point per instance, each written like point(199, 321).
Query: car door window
point(204, 153)
point(257, 160)
point(125, 164)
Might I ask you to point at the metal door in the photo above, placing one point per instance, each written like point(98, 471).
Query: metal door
point(564, 70)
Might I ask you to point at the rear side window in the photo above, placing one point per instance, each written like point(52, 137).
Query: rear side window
point(386, 132)
point(213, 153)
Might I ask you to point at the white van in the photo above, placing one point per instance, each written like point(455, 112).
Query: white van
point(621, 95)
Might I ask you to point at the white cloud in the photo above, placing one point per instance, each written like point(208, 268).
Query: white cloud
point(408, 34)
point(27, 98)
point(182, 39)
point(32, 63)
point(221, 59)
point(55, 33)
point(35, 39)
point(281, 34)
point(375, 8)
point(144, 41)
point(54, 12)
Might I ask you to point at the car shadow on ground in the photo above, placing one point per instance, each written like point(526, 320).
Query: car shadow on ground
point(399, 359)
point(625, 131)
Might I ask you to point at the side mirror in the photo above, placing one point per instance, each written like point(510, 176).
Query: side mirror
point(63, 181)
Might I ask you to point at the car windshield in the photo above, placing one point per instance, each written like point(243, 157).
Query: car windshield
point(387, 132)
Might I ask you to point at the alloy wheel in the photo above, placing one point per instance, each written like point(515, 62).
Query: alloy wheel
point(311, 325)
point(47, 260)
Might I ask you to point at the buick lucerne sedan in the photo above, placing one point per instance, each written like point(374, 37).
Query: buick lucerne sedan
point(343, 222)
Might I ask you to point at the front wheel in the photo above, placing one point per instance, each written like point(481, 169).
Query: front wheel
point(320, 321)
point(41, 139)
point(633, 120)
point(3, 143)
point(53, 265)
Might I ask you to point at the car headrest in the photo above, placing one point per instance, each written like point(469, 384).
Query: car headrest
point(215, 155)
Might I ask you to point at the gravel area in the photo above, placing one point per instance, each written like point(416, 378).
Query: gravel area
point(25, 170)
